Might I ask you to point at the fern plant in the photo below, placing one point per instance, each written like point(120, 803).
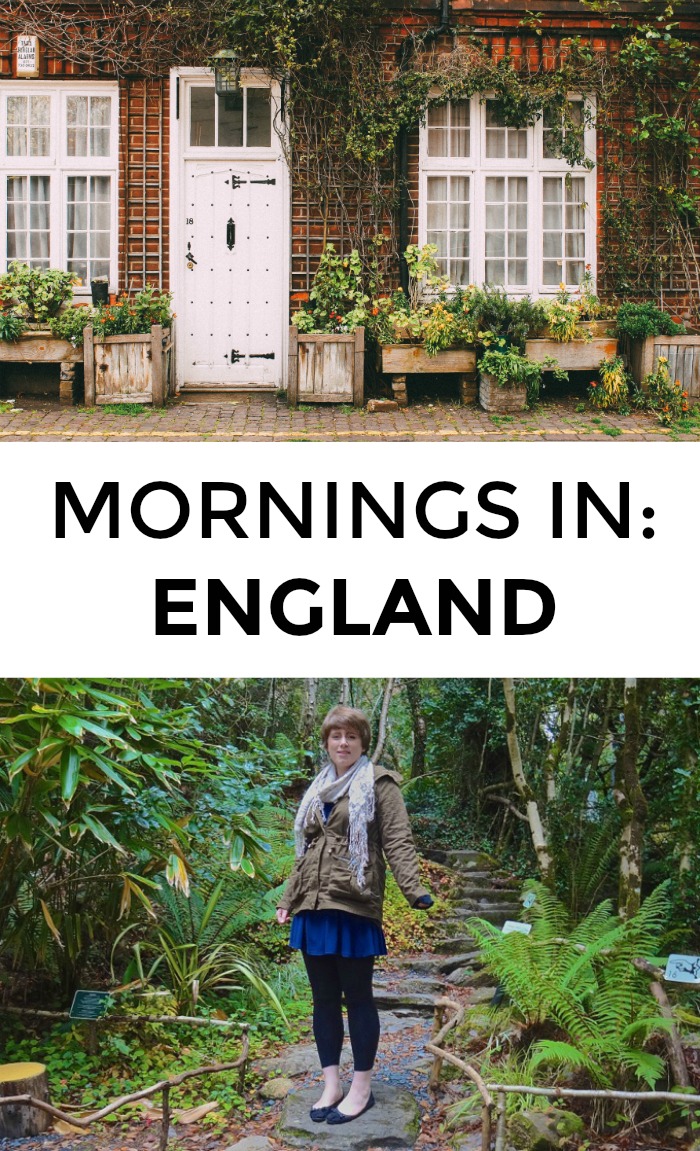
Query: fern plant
point(576, 1001)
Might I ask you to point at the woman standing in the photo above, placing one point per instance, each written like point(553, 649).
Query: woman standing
point(351, 817)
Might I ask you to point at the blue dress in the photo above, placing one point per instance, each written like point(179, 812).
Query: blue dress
point(334, 932)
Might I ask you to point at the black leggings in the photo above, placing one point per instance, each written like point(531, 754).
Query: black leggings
point(331, 977)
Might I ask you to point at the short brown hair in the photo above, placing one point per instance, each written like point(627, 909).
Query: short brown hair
point(350, 717)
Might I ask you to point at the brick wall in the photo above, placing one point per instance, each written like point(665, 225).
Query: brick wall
point(144, 192)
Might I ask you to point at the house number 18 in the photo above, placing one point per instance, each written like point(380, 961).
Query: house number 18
point(189, 220)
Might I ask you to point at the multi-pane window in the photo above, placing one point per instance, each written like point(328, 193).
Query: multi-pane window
point(503, 142)
point(448, 225)
point(505, 233)
point(28, 220)
point(502, 204)
point(88, 226)
point(28, 125)
point(241, 119)
point(57, 195)
point(88, 124)
point(449, 129)
point(563, 229)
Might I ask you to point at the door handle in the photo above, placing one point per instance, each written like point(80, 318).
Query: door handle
point(189, 257)
point(230, 234)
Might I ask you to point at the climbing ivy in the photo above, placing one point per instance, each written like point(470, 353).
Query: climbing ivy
point(349, 93)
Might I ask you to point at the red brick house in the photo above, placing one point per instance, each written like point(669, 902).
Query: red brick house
point(141, 173)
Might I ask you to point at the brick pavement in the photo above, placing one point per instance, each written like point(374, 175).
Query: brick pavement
point(271, 420)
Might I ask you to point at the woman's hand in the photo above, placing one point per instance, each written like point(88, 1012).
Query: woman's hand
point(282, 915)
point(423, 903)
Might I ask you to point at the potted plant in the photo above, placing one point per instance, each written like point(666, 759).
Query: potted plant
point(326, 339)
point(128, 349)
point(648, 335)
point(508, 380)
point(577, 334)
point(424, 330)
point(30, 299)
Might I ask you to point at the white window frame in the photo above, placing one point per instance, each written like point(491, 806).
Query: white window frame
point(477, 167)
point(250, 78)
point(59, 166)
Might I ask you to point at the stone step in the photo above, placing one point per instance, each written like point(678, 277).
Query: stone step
point(453, 945)
point(393, 1001)
point(483, 908)
point(477, 877)
point(393, 1123)
point(470, 860)
point(410, 984)
point(496, 916)
point(463, 959)
point(471, 891)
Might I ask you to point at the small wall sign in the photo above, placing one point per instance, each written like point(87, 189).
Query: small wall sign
point(683, 969)
point(89, 1004)
point(27, 56)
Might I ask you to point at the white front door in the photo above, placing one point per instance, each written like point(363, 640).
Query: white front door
point(229, 249)
point(233, 279)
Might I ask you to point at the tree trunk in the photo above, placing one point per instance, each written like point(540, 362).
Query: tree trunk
point(540, 839)
point(345, 693)
point(420, 727)
point(688, 845)
point(632, 805)
point(18, 1120)
point(559, 749)
point(308, 719)
point(383, 717)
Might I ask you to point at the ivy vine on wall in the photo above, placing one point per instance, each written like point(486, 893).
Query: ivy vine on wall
point(355, 75)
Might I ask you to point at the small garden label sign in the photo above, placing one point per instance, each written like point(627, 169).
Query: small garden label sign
point(512, 925)
point(683, 969)
point(89, 1004)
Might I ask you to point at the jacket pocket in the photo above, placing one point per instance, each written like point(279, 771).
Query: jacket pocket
point(342, 883)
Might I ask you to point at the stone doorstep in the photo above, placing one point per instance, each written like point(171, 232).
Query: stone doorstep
point(393, 1123)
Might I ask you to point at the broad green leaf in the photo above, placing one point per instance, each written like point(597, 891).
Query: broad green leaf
point(70, 773)
point(100, 832)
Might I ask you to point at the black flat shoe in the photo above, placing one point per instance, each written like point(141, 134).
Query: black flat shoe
point(320, 1114)
point(335, 1116)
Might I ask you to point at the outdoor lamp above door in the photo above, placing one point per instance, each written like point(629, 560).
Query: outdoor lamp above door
point(227, 72)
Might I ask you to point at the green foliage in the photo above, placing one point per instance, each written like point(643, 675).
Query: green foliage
point(406, 930)
point(133, 315)
point(95, 786)
point(576, 1002)
point(508, 367)
point(36, 294)
point(196, 950)
point(337, 298)
point(612, 393)
point(69, 324)
point(12, 326)
point(637, 321)
point(564, 317)
point(662, 395)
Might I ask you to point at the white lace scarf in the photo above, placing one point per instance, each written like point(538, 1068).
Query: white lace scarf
point(358, 784)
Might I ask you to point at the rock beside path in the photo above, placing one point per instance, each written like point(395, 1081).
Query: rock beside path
point(393, 1123)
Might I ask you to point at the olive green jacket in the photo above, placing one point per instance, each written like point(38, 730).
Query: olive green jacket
point(322, 878)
